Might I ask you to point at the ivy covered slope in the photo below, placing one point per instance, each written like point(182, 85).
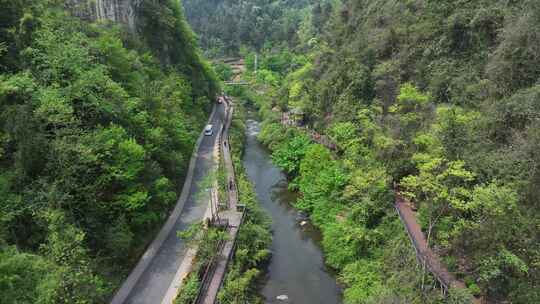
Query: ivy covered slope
point(96, 131)
point(440, 97)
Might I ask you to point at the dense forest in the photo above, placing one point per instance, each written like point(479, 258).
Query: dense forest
point(439, 98)
point(227, 27)
point(97, 125)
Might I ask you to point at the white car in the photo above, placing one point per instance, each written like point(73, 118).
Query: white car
point(208, 130)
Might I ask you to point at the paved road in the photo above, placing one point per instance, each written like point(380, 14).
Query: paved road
point(156, 279)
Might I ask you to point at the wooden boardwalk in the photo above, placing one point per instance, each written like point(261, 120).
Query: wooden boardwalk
point(222, 263)
point(424, 254)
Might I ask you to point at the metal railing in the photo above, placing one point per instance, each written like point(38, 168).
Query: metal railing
point(208, 273)
point(424, 255)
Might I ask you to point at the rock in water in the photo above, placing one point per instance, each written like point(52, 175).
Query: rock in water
point(303, 223)
point(301, 216)
point(282, 297)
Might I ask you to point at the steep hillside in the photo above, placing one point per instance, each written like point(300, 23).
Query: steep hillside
point(97, 124)
point(119, 11)
point(224, 26)
point(440, 98)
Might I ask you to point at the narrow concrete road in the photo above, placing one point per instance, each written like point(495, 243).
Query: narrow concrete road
point(152, 284)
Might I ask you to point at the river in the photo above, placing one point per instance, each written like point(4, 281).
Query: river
point(297, 267)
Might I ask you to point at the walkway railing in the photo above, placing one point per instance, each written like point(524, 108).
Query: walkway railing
point(424, 254)
point(240, 83)
point(208, 273)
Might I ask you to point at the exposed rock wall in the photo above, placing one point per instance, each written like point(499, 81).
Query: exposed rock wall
point(121, 11)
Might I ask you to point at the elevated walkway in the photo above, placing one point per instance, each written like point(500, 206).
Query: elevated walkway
point(424, 254)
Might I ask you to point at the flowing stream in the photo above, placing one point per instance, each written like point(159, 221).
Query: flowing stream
point(297, 268)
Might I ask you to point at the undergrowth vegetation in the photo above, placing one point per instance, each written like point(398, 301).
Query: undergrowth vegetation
point(436, 97)
point(364, 241)
point(207, 241)
point(96, 131)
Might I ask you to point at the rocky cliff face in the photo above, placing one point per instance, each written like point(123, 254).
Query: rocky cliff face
point(121, 11)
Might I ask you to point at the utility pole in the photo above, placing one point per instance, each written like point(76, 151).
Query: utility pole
point(214, 205)
point(256, 62)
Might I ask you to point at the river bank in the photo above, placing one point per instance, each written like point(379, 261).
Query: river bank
point(297, 272)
